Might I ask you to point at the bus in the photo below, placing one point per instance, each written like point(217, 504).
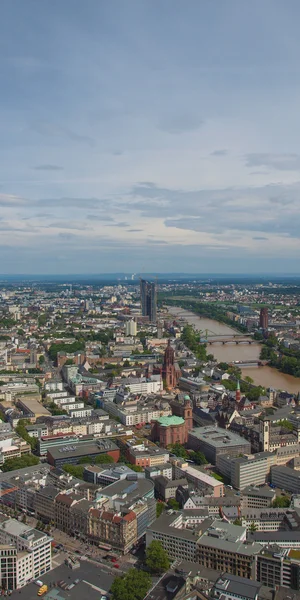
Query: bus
point(105, 547)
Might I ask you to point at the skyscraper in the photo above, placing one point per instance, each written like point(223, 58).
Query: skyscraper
point(263, 318)
point(148, 299)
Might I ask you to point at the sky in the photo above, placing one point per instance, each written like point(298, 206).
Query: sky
point(149, 136)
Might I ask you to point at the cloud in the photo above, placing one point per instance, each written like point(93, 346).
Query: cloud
point(48, 168)
point(258, 237)
point(216, 211)
point(280, 162)
point(134, 230)
point(49, 129)
point(219, 153)
point(99, 218)
point(181, 123)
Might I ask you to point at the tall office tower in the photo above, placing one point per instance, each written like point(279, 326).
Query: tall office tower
point(148, 299)
point(263, 318)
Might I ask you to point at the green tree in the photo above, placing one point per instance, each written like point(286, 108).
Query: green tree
point(157, 558)
point(252, 527)
point(102, 459)
point(132, 586)
point(74, 470)
point(248, 379)
point(178, 450)
point(23, 433)
point(41, 359)
point(159, 508)
point(237, 522)
point(198, 457)
point(172, 503)
point(281, 502)
point(28, 460)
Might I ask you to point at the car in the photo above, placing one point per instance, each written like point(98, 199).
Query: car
point(113, 560)
point(116, 566)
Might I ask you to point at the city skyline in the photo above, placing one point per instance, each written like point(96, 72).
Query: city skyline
point(148, 138)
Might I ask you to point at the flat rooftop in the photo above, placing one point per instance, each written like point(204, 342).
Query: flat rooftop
point(82, 449)
point(217, 437)
point(94, 581)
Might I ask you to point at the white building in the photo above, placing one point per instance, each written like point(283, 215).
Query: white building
point(33, 550)
point(131, 328)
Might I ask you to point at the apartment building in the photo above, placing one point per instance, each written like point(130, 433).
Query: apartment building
point(35, 544)
point(44, 503)
point(143, 453)
point(223, 547)
point(270, 519)
point(119, 529)
point(282, 539)
point(176, 540)
point(166, 488)
point(200, 480)
point(12, 446)
point(135, 412)
point(278, 567)
point(255, 497)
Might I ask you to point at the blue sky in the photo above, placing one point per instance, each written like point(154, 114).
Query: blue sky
point(143, 135)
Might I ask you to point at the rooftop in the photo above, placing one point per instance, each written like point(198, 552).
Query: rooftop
point(170, 420)
point(217, 437)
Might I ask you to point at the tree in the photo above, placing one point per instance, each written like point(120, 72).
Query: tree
point(237, 522)
point(157, 558)
point(132, 586)
point(248, 379)
point(252, 527)
point(178, 450)
point(28, 460)
point(74, 470)
point(281, 502)
point(159, 508)
point(41, 359)
point(199, 458)
point(102, 459)
point(172, 503)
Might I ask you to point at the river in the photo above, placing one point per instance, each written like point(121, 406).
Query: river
point(265, 376)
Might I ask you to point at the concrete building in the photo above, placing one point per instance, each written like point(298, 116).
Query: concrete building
point(213, 441)
point(200, 480)
point(231, 587)
point(71, 454)
point(166, 488)
point(120, 530)
point(35, 545)
point(255, 497)
point(286, 479)
point(223, 547)
point(278, 567)
point(148, 292)
point(142, 453)
point(131, 328)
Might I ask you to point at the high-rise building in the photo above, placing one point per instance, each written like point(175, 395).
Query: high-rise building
point(263, 318)
point(148, 299)
point(131, 328)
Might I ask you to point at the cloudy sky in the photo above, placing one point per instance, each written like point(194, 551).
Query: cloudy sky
point(149, 135)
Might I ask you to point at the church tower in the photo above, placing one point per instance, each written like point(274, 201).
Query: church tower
point(238, 392)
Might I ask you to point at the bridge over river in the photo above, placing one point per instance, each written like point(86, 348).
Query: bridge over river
point(229, 339)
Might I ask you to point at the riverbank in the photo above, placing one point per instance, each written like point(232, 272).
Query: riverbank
point(265, 376)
